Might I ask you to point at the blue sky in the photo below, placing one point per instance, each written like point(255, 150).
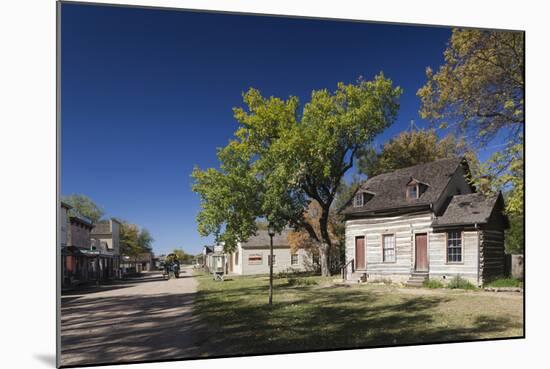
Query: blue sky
point(147, 95)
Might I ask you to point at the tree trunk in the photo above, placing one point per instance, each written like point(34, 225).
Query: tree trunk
point(324, 250)
point(324, 259)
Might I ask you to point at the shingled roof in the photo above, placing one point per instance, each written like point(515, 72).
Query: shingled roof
point(390, 188)
point(262, 239)
point(472, 208)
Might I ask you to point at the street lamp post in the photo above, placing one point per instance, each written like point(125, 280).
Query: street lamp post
point(271, 232)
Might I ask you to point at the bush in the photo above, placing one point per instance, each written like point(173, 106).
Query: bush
point(288, 272)
point(433, 283)
point(295, 281)
point(505, 282)
point(459, 282)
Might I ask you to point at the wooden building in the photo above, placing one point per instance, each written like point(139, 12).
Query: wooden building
point(253, 256)
point(107, 234)
point(424, 221)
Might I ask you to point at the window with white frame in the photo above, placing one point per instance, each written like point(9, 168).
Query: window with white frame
point(388, 244)
point(412, 191)
point(269, 259)
point(294, 259)
point(358, 201)
point(454, 247)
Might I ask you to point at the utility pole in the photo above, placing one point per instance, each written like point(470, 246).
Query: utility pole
point(271, 232)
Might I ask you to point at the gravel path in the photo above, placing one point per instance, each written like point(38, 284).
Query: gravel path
point(147, 318)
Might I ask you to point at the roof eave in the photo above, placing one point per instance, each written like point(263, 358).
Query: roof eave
point(463, 224)
point(384, 211)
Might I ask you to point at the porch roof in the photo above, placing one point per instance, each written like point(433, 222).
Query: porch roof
point(472, 208)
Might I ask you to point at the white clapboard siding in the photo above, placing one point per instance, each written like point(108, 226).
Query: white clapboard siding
point(282, 260)
point(437, 251)
point(403, 227)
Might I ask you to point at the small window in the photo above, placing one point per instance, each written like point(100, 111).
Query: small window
point(269, 259)
point(412, 191)
point(454, 247)
point(388, 244)
point(294, 259)
point(316, 259)
point(236, 258)
point(254, 259)
point(358, 201)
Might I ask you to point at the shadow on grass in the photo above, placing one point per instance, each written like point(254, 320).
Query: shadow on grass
point(307, 318)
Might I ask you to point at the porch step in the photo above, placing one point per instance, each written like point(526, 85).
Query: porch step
point(358, 277)
point(417, 279)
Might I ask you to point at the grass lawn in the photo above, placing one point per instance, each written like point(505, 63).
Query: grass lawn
point(237, 320)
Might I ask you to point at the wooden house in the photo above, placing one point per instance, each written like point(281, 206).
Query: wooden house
point(424, 221)
point(253, 256)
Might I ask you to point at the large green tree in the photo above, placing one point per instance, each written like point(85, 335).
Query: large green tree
point(281, 159)
point(411, 148)
point(182, 256)
point(480, 89)
point(82, 205)
point(145, 240)
point(129, 234)
point(134, 241)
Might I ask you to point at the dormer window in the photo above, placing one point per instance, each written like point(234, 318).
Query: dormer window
point(415, 189)
point(361, 198)
point(412, 191)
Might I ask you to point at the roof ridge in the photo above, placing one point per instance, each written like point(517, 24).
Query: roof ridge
point(397, 171)
point(458, 158)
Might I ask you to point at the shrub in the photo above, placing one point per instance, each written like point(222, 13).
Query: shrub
point(505, 282)
point(433, 283)
point(286, 273)
point(459, 282)
point(295, 281)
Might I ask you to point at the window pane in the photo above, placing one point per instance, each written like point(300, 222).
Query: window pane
point(358, 200)
point(389, 248)
point(454, 246)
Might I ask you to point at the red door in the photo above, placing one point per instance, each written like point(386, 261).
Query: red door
point(421, 252)
point(360, 253)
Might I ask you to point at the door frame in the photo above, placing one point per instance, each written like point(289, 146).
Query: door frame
point(364, 266)
point(427, 251)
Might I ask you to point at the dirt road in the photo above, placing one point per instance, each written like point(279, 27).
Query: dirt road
point(146, 318)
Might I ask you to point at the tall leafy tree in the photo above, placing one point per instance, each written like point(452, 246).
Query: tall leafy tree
point(182, 256)
point(282, 159)
point(129, 235)
point(134, 241)
point(82, 205)
point(145, 240)
point(480, 86)
point(480, 89)
point(411, 148)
